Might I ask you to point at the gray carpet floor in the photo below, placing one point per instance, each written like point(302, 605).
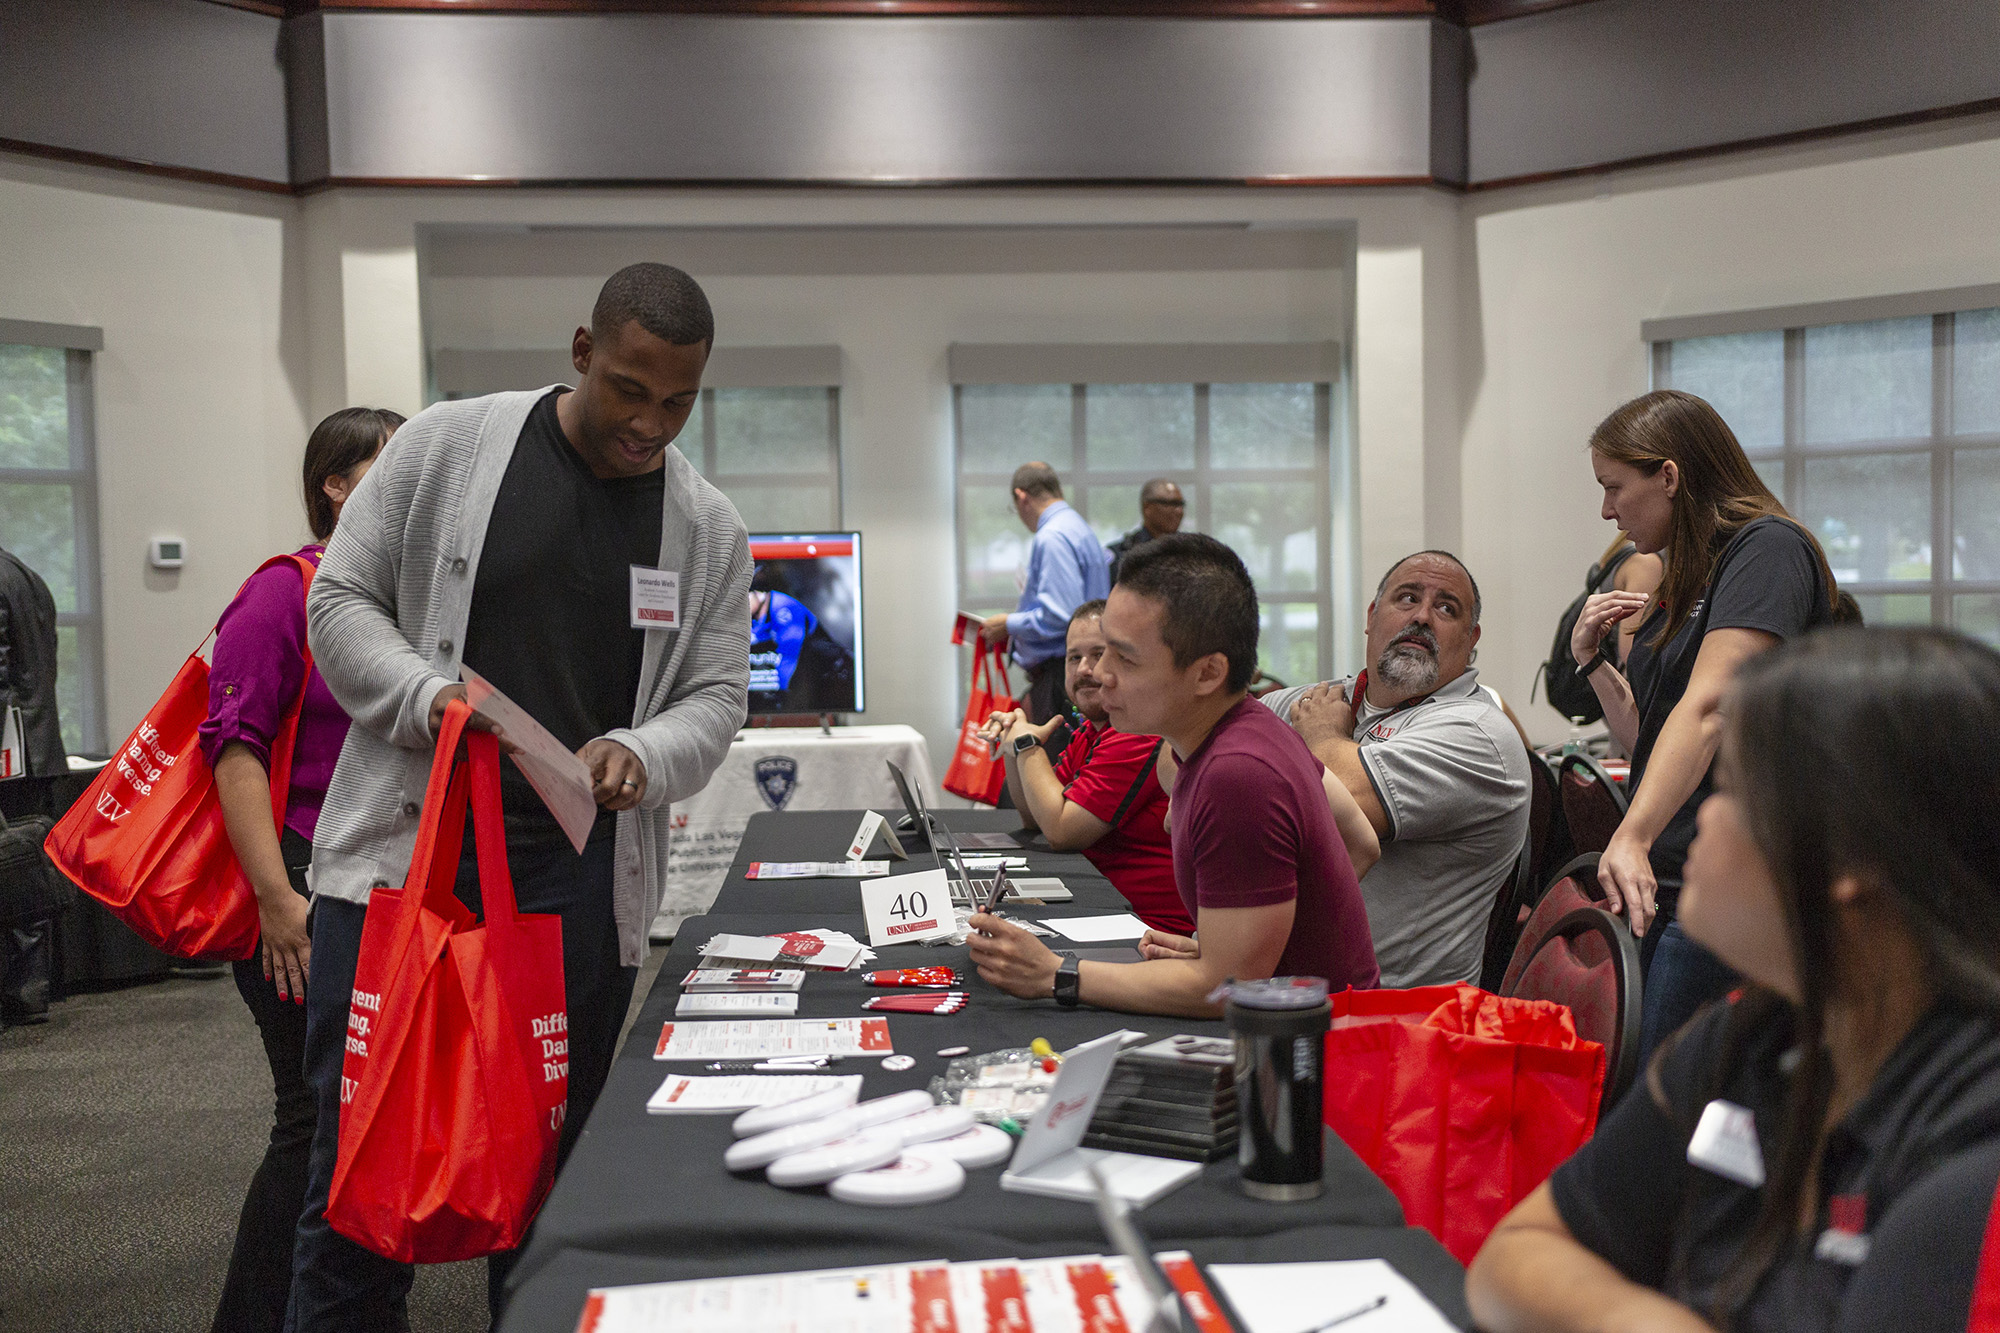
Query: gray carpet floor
point(130, 1124)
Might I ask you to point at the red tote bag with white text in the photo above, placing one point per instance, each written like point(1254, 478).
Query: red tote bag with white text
point(457, 1067)
point(146, 838)
point(974, 772)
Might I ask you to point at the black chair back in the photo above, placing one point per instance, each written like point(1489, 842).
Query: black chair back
point(1574, 886)
point(1593, 803)
point(1589, 961)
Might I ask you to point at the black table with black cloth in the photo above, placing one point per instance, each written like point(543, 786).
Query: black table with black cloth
point(645, 1198)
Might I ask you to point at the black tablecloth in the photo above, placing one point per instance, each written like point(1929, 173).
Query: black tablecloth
point(823, 835)
point(645, 1198)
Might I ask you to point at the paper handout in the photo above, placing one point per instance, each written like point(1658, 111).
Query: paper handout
point(1283, 1298)
point(559, 777)
point(1095, 929)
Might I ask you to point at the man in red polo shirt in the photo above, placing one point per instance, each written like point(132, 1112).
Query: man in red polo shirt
point(1102, 796)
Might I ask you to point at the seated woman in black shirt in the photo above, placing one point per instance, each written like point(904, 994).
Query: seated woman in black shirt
point(1820, 1150)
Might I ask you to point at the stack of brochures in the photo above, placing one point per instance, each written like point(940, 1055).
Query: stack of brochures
point(1173, 1098)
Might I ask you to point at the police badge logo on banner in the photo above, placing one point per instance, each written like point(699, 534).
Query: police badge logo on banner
point(777, 779)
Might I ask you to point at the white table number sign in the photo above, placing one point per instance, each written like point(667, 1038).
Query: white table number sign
point(907, 909)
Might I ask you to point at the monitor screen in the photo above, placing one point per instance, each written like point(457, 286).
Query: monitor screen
point(805, 623)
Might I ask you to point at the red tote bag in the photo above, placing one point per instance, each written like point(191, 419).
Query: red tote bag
point(1461, 1101)
point(457, 1067)
point(146, 838)
point(974, 772)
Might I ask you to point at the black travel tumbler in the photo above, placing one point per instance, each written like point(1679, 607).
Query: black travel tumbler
point(1280, 1027)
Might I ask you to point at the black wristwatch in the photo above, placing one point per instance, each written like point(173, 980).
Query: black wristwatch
point(1067, 981)
point(1600, 660)
point(1026, 742)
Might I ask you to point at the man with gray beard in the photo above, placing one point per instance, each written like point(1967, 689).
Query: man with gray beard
point(1434, 764)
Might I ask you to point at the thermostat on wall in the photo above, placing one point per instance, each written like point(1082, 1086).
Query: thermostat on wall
point(167, 553)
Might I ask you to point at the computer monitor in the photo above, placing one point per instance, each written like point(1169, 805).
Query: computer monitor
point(805, 623)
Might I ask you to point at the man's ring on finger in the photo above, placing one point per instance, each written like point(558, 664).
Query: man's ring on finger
point(628, 783)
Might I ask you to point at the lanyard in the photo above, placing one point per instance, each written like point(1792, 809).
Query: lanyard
point(1358, 699)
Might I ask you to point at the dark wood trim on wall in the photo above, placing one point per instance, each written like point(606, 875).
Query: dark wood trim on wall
point(1216, 9)
point(1472, 13)
point(1903, 120)
point(1121, 183)
point(198, 176)
point(194, 174)
point(1465, 13)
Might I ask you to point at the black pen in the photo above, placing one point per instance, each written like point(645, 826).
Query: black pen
point(1355, 1313)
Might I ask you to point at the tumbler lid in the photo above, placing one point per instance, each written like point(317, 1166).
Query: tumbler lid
point(1276, 993)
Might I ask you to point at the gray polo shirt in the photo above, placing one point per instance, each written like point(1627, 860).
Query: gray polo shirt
point(1452, 776)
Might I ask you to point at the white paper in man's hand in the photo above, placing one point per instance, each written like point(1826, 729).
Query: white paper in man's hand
point(558, 776)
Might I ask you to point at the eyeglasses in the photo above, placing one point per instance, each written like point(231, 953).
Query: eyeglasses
point(1168, 504)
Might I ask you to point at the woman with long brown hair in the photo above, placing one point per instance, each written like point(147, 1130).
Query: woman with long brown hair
point(1821, 1152)
point(1741, 576)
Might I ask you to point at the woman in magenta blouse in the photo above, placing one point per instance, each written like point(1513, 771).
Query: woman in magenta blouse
point(257, 670)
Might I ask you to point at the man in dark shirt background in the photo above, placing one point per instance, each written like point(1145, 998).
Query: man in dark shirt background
point(28, 667)
point(1161, 509)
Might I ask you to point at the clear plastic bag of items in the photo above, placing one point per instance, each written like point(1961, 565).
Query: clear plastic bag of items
point(1002, 1085)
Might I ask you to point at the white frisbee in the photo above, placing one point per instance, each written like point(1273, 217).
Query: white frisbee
point(863, 1151)
point(982, 1145)
point(893, 1107)
point(764, 1119)
point(763, 1149)
point(911, 1179)
point(939, 1122)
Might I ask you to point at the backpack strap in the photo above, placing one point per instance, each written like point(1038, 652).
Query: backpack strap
point(1601, 575)
point(1138, 783)
point(286, 741)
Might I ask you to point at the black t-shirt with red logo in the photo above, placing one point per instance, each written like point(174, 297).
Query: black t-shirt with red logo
point(1908, 1182)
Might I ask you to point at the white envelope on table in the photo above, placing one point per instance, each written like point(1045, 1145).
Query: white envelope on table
point(558, 776)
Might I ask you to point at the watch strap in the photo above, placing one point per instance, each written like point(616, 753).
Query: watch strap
point(1068, 981)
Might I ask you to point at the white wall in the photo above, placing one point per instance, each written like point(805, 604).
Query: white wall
point(1492, 332)
point(200, 426)
point(1558, 279)
point(896, 437)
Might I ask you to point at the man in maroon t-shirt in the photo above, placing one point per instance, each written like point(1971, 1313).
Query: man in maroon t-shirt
point(1258, 857)
point(1102, 797)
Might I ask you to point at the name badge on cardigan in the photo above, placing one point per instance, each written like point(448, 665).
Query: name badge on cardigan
point(1725, 1142)
point(656, 598)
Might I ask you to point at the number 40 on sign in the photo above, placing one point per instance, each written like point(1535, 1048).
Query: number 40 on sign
point(907, 909)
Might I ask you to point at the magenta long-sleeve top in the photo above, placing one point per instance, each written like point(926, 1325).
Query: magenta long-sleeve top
point(254, 673)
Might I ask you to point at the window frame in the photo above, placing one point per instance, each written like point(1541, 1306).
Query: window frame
point(702, 453)
point(1942, 446)
point(1079, 480)
point(78, 346)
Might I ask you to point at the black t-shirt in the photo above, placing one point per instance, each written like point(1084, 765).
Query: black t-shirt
point(1907, 1182)
point(551, 605)
point(1768, 578)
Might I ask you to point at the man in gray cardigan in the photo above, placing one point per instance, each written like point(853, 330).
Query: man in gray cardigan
point(509, 533)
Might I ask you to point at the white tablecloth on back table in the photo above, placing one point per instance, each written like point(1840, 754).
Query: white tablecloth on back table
point(781, 768)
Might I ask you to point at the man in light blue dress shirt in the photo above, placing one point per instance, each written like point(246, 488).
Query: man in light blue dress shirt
point(1067, 566)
